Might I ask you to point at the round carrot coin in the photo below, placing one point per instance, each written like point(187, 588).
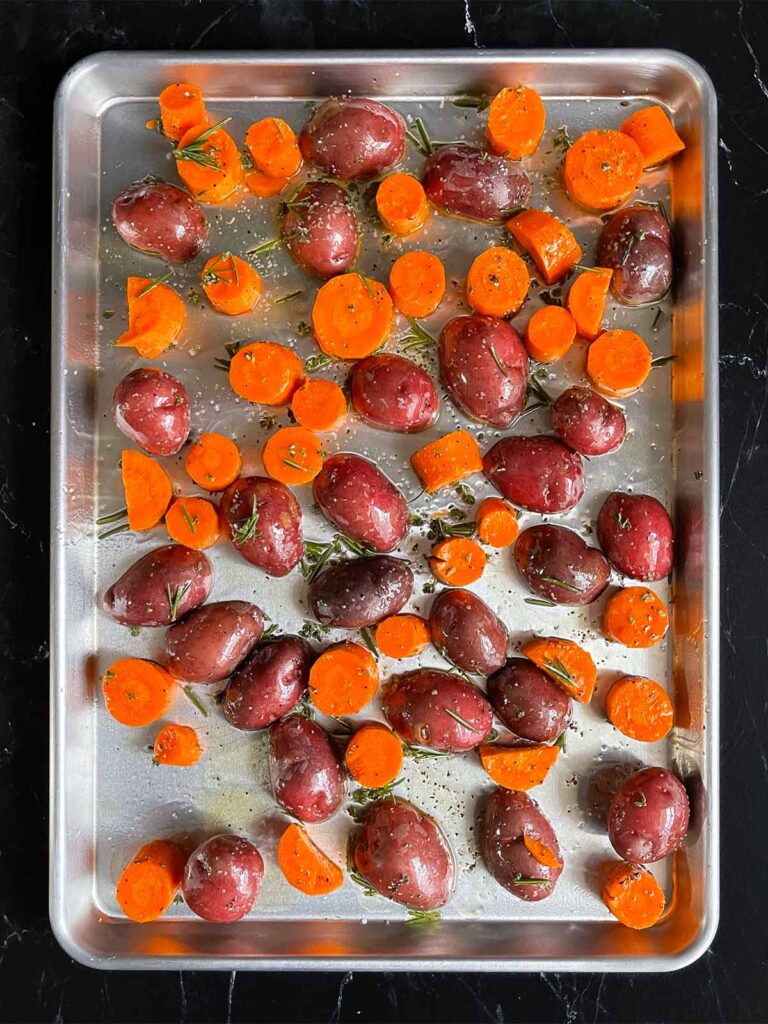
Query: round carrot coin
point(602, 169)
point(352, 316)
point(177, 745)
point(457, 561)
point(213, 462)
point(209, 163)
point(273, 147)
point(417, 283)
point(402, 636)
point(497, 282)
point(343, 679)
point(137, 692)
point(635, 617)
point(402, 203)
point(618, 363)
point(639, 708)
point(550, 334)
point(374, 756)
point(265, 372)
point(293, 455)
point(497, 523)
point(516, 120)
point(231, 285)
point(319, 405)
point(633, 896)
point(193, 522)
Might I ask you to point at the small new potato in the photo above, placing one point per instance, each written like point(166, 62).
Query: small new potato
point(539, 473)
point(351, 137)
point(161, 219)
point(648, 817)
point(587, 422)
point(636, 245)
point(151, 407)
point(470, 182)
point(558, 565)
point(210, 642)
point(305, 768)
point(392, 393)
point(484, 367)
point(269, 684)
point(160, 588)
point(636, 534)
point(439, 710)
point(320, 229)
point(403, 854)
point(222, 878)
point(508, 817)
point(528, 702)
point(361, 591)
point(358, 498)
point(262, 518)
point(467, 632)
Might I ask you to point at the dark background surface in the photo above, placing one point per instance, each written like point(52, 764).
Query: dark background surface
point(38, 982)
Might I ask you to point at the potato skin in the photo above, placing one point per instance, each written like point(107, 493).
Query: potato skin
point(648, 817)
point(358, 498)
point(305, 769)
point(538, 473)
point(636, 534)
point(527, 701)
point(210, 642)
point(321, 232)
point(278, 544)
point(162, 220)
point(636, 245)
point(545, 553)
point(392, 393)
point(361, 591)
point(222, 878)
point(506, 817)
point(151, 407)
point(468, 632)
point(415, 705)
point(269, 684)
point(352, 137)
point(403, 854)
point(587, 422)
point(140, 596)
point(471, 374)
point(470, 182)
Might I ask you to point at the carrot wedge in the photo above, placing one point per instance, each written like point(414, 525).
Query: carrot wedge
point(551, 244)
point(177, 745)
point(633, 896)
point(149, 883)
point(519, 768)
point(569, 665)
point(656, 139)
point(586, 300)
point(447, 460)
point(148, 489)
point(156, 316)
point(305, 866)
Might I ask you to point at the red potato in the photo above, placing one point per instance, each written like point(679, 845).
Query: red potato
point(152, 409)
point(364, 504)
point(305, 768)
point(160, 588)
point(508, 818)
point(210, 642)
point(556, 564)
point(392, 393)
point(222, 878)
point(537, 473)
point(269, 684)
point(467, 632)
point(320, 229)
point(351, 137)
point(484, 367)
point(648, 817)
point(361, 591)
point(262, 518)
point(636, 245)
point(439, 710)
point(587, 422)
point(161, 219)
point(528, 702)
point(636, 533)
point(470, 182)
point(403, 854)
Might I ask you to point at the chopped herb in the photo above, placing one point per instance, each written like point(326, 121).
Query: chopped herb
point(582, 266)
point(557, 582)
point(657, 318)
point(367, 285)
point(479, 103)
point(422, 753)
point(439, 529)
point(193, 296)
point(318, 362)
point(267, 421)
point(465, 494)
point(268, 246)
point(421, 917)
point(287, 298)
point(367, 637)
point(112, 517)
point(189, 520)
point(134, 630)
point(153, 284)
point(662, 360)
point(191, 695)
point(195, 152)
point(623, 523)
point(364, 794)
point(561, 140)
point(561, 741)
point(558, 669)
point(541, 601)
point(108, 314)
point(358, 879)
point(175, 597)
point(295, 465)
point(462, 721)
point(303, 329)
point(521, 880)
point(641, 800)
point(304, 708)
point(429, 587)
point(498, 362)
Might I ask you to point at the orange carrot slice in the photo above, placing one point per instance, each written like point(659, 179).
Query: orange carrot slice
point(633, 896)
point(148, 885)
point(273, 147)
point(343, 679)
point(569, 665)
point(137, 692)
point(497, 523)
point(293, 455)
point(319, 405)
point(265, 372)
point(374, 756)
point(541, 852)
point(586, 300)
point(639, 708)
point(208, 162)
point(264, 185)
point(193, 522)
point(352, 316)
point(213, 462)
point(181, 108)
point(177, 745)
point(551, 244)
point(497, 282)
point(305, 866)
point(417, 283)
point(549, 334)
point(656, 139)
point(156, 316)
point(457, 561)
point(447, 460)
point(602, 169)
point(635, 617)
point(516, 121)
point(618, 363)
point(402, 203)
point(148, 489)
point(402, 636)
point(519, 768)
point(232, 285)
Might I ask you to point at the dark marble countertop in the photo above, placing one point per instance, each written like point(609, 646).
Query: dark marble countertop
point(38, 982)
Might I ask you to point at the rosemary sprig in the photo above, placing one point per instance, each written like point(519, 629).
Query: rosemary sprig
point(270, 634)
point(315, 557)
point(367, 637)
point(501, 366)
point(422, 917)
point(623, 523)
point(478, 103)
point(175, 597)
point(194, 150)
point(555, 581)
point(153, 284)
point(190, 520)
point(439, 529)
point(423, 135)
point(123, 528)
point(662, 360)
point(540, 601)
point(248, 528)
point(558, 669)
point(268, 246)
point(113, 517)
point(367, 285)
point(458, 718)
point(422, 753)
point(591, 270)
point(190, 694)
point(358, 879)
point(287, 298)
point(319, 362)
point(464, 494)
point(561, 741)
point(364, 794)
point(521, 880)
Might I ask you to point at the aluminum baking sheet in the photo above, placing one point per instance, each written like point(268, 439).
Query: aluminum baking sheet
point(108, 796)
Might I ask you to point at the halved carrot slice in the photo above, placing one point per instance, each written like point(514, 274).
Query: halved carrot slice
point(519, 768)
point(305, 866)
point(148, 489)
point(569, 665)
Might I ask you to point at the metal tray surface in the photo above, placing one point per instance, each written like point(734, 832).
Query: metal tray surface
point(107, 796)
